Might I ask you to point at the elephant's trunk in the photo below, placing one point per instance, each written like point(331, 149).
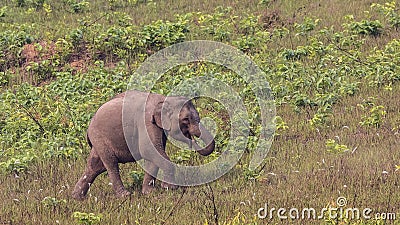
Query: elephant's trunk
point(207, 138)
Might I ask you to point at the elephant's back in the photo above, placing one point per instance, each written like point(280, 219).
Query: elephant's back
point(109, 113)
point(107, 121)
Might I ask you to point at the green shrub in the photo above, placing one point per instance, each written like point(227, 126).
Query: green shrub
point(365, 27)
point(12, 41)
point(161, 34)
point(333, 147)
point(390, 11)
point(77, 6)
point(86, 218)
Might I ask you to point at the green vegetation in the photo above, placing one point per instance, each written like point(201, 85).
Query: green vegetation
point(333, 67)
point(86, 218)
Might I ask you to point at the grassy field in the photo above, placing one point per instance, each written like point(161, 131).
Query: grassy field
point(334, 78)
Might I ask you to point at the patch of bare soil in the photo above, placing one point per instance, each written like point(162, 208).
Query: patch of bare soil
point(271, 19)
point(37, 53)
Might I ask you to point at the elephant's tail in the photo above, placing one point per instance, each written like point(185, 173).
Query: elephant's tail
point(88, 140)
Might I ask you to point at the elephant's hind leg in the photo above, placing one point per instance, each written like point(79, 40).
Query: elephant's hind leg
point(113, 173)
point(94, 167)
point(110, 161)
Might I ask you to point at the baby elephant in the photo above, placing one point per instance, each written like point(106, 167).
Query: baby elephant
point(145, 118)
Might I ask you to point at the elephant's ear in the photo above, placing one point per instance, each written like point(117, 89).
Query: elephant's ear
point(162, 111)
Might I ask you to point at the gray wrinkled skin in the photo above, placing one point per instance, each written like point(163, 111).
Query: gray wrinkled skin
point(149, 116)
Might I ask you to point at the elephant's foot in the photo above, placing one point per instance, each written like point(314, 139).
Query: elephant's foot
point(147, 189)
point(168, 186)
point(148, 185)
point(80, 190)
point(122, 193)
point(78, 195)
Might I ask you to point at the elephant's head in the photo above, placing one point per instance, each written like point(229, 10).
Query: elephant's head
point(179, 117)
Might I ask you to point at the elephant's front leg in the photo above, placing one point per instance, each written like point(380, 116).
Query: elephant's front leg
point(150, 175)
point(162, 161)
point(153, 150)
point(169, 174)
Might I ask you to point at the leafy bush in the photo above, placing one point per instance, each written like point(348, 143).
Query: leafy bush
point(30, 3)
point(375, 117)
point(307, 26)
point(77, 6)
point(18, 164)
point(333, 147)
point(86, 218)
point(161, 34)
point(218, 25)
point(52, 202)
point(366, 27)
point(390, 11)
point(53, 117)
point(137, 177)
point(12, 41)
point(3, 11)
point(4, 79)
point(252, 43)
point(115, 40)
